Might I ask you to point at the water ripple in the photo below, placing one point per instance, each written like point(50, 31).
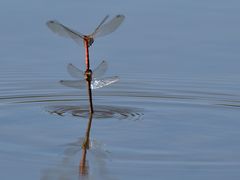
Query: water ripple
point(100, 111)
point(141, 93)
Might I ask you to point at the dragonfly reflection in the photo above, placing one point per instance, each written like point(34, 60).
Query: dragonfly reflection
point(96, 82)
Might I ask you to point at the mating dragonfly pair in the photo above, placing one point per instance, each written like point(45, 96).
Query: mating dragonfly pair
point(104, 28)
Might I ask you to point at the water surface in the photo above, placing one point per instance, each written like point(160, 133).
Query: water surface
point(174, 114)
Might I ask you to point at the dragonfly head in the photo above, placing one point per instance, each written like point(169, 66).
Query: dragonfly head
point(88, 75)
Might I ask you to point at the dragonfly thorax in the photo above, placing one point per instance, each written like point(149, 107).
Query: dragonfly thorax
point(88, 75)
point(89, 39)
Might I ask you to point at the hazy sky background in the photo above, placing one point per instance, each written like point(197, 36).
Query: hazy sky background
point(175, 38)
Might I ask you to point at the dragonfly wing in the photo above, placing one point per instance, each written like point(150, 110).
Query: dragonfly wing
point(75, 72)
point(64, 31)
point(95, 84)
point(101, 23)
point(99, 83)
point(79, 84)
point(100, 69)
point(107, 28)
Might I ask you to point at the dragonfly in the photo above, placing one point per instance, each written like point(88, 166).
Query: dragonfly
point(97, 80)
point(104, 28)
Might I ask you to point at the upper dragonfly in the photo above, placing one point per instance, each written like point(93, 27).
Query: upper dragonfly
point(104, 28)
point(96, 82)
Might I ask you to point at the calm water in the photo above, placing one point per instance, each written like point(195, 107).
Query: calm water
point(174, 114)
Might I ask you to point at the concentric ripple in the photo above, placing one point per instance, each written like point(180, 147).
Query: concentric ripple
point(100, 111)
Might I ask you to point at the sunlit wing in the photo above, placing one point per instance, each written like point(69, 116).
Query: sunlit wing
point(107, 28)
point(96, 83)
point(99, 83)
point(75, 72)
point(100, 69)
point(64, 31)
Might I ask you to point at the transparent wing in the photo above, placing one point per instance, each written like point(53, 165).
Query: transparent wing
point(96, 83)
point(75, 72)
point(99, 83)
point(100, 69)
point(64, 31)
point(101, 23)
point(107, 28)
point(79, 84)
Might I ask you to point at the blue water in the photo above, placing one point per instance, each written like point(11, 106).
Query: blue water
point(174, 114)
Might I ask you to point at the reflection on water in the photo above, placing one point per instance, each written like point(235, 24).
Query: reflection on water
point(83, 167)
point(74, 164)
point(182, 125)
point(67, 169)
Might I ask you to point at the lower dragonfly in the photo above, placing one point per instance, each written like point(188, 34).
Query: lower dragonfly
point(97, 80)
